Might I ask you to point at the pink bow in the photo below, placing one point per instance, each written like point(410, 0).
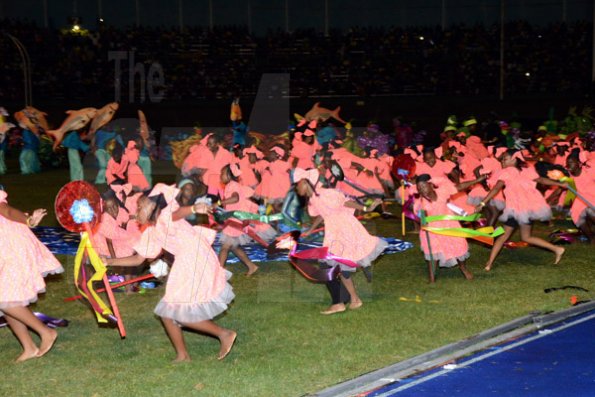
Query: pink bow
point(122, 191)
point(278, 150)
point(311, 175)
point(169, 192)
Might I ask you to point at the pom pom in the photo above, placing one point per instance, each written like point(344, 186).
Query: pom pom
point(159, 268)
point(81, 211)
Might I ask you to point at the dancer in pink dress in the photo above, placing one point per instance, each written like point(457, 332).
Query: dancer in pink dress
point(275, 178)
point(135, 175)
point(524, 204)
point(197, 289)
point(247, 163)
point(237, 198)
point(583, 173)
point(109, 237)
point(447, 251)
point(305, 147)
point(24, 262)
point(432, 166)
point(344, 235)
point(116, 233)
point(116, 166)
point(211, 163)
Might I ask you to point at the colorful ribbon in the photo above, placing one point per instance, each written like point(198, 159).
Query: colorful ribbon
point(86, 289)
point(484, 234)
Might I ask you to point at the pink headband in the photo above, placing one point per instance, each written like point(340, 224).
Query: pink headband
point(169, 193)
point(278, 150)
point(583, 156)
point(312, 124)
point(235, 170)
point(301, 122)
point(253, 150)
point(373, 152)
point(309, 133)
point(311, 175)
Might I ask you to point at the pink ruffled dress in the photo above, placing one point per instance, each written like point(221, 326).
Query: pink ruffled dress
point(344, 157)
point(122, 240)
point(344, 235)
point(247, 168)
point(197, 287)
point(212, 164)
point(446, 250)
point(439, 170)
point(370, 182)
point(115, 170)
point(136, 177)
point(304, 153)
point(523, 202)
point(235, 236)
point(275, 181)
point(24, 262)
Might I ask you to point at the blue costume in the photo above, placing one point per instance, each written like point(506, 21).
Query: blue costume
point(28, 158)
point(73, 143)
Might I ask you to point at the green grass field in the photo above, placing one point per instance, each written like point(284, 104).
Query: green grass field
point(284, 347)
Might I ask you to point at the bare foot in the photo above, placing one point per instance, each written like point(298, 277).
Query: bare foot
point(184, 358)
point(27, 355)
point(559, 252)
point(488, 267)
point(251, 271)
point(227, 341)
point(47, 342)
point(354, 305)
point(468, 275)
point(338, 308)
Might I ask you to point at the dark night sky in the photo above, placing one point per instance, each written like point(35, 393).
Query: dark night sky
point(264, 14)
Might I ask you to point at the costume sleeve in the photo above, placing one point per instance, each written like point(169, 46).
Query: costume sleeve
point(149, 245)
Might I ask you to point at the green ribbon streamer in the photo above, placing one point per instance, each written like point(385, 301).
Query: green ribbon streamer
point(249, 216)
point(467, 218)
point(470, 232)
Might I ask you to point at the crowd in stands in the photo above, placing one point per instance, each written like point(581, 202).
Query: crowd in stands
point(228, 61)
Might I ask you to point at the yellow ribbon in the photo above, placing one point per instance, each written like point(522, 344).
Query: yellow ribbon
point(86, 247)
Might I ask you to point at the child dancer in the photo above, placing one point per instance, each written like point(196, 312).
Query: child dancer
point(344, 235)
point(197, 288)
point(523, 204)
point(583, 173)
point(24, 261)
point(237, 198)
point(448, 251)
point(275, 178)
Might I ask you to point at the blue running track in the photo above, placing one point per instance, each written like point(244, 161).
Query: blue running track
point(558, 361)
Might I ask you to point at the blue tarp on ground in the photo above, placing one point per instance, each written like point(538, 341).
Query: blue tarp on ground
point(60, 241)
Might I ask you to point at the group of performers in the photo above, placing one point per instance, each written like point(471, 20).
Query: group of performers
point(140, 222)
